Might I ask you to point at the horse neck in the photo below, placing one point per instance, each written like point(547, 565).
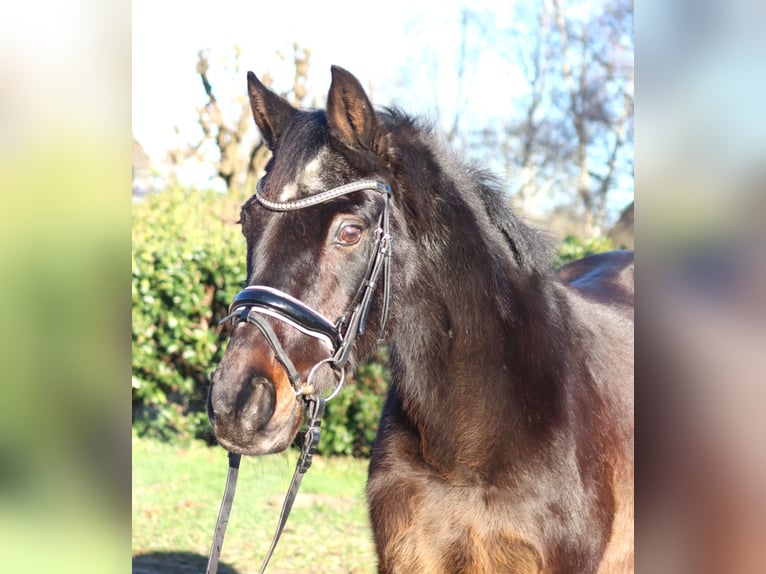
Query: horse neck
point(477, 350)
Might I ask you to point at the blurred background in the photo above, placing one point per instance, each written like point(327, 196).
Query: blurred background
point(701, 321)
point(64, 263)
point(541, 91)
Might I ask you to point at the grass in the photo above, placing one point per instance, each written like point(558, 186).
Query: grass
point(177, 492)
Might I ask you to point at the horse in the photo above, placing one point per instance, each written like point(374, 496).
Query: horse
point(506, 438)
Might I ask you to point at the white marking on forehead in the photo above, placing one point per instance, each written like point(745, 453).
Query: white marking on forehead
point(311, 171)
point(309, 179)
point(289, 192)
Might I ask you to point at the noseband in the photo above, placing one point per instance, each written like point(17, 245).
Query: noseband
point(254, 302)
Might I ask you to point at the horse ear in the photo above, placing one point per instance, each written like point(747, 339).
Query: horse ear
point(270, 111)
point(350, 114)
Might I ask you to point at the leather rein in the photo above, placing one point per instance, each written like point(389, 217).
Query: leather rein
point(254, 302)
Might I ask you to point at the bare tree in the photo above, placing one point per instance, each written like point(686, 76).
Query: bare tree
point(241, 153)
point(527, 150)
point(597, 68)
point(460, 71)
point(563, 144)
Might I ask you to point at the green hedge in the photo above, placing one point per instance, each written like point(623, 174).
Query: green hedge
point(573, 248)
point(188, 263)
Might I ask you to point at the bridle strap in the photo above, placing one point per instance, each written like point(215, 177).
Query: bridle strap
point(315, 409)
point(252, 317)
point(388, 254)
point(223, 513)
point(358, 320)
point(379, 261)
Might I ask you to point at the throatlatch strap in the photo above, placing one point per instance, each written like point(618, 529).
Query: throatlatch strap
point(223, 513)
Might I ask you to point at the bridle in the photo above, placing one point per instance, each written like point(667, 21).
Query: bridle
point(254, 303)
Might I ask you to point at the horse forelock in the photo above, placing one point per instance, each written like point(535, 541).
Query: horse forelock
point(298, 167)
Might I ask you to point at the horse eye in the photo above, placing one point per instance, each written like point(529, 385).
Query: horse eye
point(349, 235)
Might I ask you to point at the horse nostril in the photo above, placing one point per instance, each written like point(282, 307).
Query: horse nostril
point(243, 405)
point(209, 402)
point(258, 404)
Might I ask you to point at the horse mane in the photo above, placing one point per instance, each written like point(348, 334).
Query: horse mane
point(532, 247)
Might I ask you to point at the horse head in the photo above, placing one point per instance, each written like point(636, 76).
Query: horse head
point(317, 238)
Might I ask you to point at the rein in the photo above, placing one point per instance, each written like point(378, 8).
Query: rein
point(253, 302)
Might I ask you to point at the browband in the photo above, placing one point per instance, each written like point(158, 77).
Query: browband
point(319, 197)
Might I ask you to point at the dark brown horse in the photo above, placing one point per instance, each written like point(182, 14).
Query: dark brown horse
point(506, 441)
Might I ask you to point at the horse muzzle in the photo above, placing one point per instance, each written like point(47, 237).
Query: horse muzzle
point(250, 404)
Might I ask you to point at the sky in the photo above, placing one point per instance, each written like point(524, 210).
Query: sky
point(405, 53)
point(378, 46)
